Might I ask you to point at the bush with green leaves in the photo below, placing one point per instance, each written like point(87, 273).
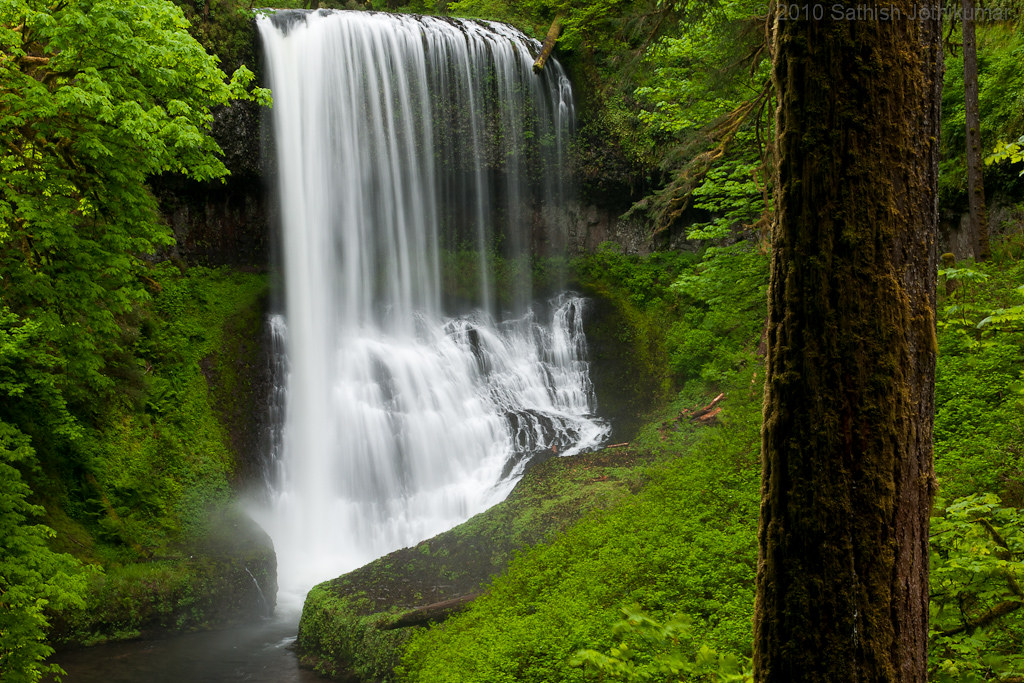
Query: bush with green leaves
point(723, 300)
point(33, 578)
point(979, 383)
point(707, 109)
point(977, 603)
point(649, 651)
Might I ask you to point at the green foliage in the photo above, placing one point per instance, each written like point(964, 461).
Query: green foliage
point(707, 108)
point(686, 543)
point(961, 307)
point(645, 282)
point(1000, 86)
point(339, 631)
point(735, 193)
point(633, 339)
point(724, 312)
point(33, 578)
point(1007, 151)
point(979, 383)
point(97, 96)
point(162, 460)
point(977, 620)
point(181, 593)
point(649, 651)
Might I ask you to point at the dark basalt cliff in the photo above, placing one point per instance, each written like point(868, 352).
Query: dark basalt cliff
point(224, 223)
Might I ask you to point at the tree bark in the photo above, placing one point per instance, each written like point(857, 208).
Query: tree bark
point(975, 177)
point(847, 481)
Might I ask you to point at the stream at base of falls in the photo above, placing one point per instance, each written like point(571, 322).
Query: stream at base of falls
point(260, 652)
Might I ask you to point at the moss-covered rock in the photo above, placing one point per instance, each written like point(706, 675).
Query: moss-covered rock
point(348, 627)
point(628, 361)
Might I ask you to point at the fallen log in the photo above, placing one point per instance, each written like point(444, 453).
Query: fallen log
point(705, 414)
point(428, 614)
point(549, 44)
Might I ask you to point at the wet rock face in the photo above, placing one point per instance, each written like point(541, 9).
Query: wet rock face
point(225, 576)
point(223, 223)
point(240, 563)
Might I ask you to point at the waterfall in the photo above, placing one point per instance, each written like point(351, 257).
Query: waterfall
point(414, 157)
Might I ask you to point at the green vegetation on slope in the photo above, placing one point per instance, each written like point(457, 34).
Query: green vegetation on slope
point(151, 480)
point(347, 623)
point(684, 545)
point(678, 558)
point(979, 384)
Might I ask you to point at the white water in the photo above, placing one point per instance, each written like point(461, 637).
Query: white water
point(398, 138)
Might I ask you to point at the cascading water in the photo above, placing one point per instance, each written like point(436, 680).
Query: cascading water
point(403, 145)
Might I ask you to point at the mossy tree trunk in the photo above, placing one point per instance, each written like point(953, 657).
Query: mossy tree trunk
point(842, 585)
point(975, 179)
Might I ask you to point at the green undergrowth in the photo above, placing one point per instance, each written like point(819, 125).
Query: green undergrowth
point(136, 492)
point(657, 582)
point(979, 384)
point(977, 532)
point(683, 547)
point(667, 320)
point(678, 558)
point(684, 544)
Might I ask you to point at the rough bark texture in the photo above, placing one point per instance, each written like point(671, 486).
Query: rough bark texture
point(847, 483)
point(975, 181)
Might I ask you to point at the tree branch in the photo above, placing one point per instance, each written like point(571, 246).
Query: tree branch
point(438, 611)
point(549, 44)
point(986, 617)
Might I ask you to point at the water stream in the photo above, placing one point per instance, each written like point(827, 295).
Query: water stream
point(420, 165)
point(414, 155)
point(257, 653)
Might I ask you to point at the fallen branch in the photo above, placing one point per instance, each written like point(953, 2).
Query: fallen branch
point(705, 414)
point(618, 445)
point(438, 611)
point(549, 44)
point(1003, 554)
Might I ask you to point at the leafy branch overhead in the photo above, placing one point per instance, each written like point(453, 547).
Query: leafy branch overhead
point(96, 97)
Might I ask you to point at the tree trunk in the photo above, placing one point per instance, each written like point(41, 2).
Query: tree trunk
point(549, 44)
point(975, 177)
point(847, 482)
